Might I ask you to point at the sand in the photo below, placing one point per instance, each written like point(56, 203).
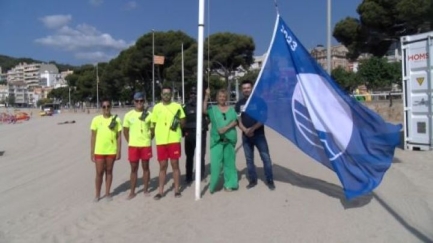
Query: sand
point(47, 187)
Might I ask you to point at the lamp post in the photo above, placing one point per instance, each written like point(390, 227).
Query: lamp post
point(153, 67)
point(183, 79)
point(97, 87)
point(328, 48)
point(69, 87)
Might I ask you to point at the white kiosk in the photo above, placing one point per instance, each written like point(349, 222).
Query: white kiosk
point(417, 62)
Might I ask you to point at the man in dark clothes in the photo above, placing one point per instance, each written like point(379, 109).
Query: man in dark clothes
point(253, 135)
point(190, 109)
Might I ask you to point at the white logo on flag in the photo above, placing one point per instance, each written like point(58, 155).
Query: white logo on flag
point(321, 116)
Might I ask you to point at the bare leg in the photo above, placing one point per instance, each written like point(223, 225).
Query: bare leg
point(108, 176)
point(176, 174)
point(146, 176)
point(133, 178)
point(162, 174)
point(99, 164)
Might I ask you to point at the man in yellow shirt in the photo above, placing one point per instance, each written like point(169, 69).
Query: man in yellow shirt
point(105, 147)
point(168, 118)
point(136, 129)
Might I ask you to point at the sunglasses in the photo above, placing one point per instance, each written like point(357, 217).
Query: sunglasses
point(106, 106)
point(166, 94)
point(224, 116)
point(139, 101)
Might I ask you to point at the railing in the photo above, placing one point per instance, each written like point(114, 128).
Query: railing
point(381, 96)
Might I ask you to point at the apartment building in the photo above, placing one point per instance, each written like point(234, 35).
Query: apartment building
point(34, 74)
point(4, 93)
point(18, 90)
point(338, 56)
point(49, 75)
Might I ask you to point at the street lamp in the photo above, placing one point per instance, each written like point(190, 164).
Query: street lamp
point(153, 67)
point(328, 48)
point(69, 88)
point(97, 87)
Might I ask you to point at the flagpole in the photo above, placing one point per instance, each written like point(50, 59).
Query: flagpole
point(183, 80)
point(97, 87)
point(201, 9)
point(328, 48)
point(153, 67)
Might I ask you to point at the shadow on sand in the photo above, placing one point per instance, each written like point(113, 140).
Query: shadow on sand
point(286, 175)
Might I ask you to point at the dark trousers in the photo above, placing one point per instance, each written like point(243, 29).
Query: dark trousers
point(190, 143)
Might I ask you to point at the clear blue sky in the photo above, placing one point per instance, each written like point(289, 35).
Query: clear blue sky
point(86, 31)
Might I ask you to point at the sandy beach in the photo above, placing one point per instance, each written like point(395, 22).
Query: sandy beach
point(47, 188)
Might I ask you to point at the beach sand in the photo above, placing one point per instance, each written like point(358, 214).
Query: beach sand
point(47, 188)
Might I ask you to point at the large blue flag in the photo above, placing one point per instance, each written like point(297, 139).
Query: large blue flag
point(306, 106)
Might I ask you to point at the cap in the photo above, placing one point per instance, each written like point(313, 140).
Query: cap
point(138, 96)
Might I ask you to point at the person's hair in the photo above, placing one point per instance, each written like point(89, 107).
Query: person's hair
point(222, 91)
point(105, 99)
point(166, 87)
point(247, 82)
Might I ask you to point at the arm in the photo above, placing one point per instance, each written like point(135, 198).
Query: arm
point(263, 113)
point(239, 113)
point(205, 101)
point(92, 145)
point(119, 144)
point(126, 133)
point(228, 127)
point(182, 123)
point(152, 130)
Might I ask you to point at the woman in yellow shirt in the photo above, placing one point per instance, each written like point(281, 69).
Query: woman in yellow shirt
point(105, 147)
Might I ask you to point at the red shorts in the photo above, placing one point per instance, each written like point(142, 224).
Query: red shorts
point(136, 154)
point(104, 156)
point(168, 151)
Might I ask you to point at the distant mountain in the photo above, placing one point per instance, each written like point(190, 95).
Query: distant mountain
point(7, 62)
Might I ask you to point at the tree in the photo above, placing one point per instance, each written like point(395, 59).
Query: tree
point(61, 93)
point(43, 101)
point(227, 52)
point(381, 23)
point(378, 73)
point(250, 75)
point(346, 79)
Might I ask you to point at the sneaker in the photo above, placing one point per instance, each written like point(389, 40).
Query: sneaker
point(251, 184)
point(271, 185)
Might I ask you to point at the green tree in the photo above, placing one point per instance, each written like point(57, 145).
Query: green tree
point(250, 75)
point(61, 93)
point(227, 52)
point(378, 73)
point(381, 23)
point(346, 79)
point(43, 101)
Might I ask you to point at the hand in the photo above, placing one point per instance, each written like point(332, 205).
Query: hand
point(207, 92)
point(92, 158)
point(222, 130)
point(250, 132)
point(118, 156)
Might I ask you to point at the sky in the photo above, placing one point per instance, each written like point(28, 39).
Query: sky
point(88, 31)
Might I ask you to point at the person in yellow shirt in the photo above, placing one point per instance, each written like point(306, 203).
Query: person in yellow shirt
point(105, 147)
point(168, 118)
point(136, 129)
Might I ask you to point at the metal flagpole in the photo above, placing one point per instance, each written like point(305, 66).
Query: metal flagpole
point(183, 80)
point(328, 48)
point(201, 9)
point(153, 67)
point(97, 87)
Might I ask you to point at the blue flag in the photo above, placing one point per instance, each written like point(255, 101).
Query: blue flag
point(307, 107)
